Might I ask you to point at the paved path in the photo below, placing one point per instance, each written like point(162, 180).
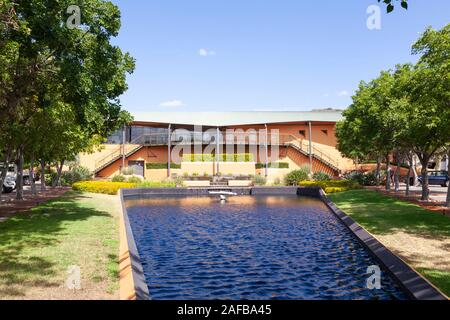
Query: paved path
point(9, 206)
point(438, 196)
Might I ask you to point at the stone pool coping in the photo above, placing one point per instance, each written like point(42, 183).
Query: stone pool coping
point(132, 279)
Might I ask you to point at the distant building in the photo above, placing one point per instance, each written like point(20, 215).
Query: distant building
point(153, 140)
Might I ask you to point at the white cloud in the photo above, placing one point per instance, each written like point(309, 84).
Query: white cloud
point(206, 52)
point(343, 93)
point(172, 104)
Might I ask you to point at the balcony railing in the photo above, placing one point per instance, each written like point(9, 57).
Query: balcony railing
point(235, 138)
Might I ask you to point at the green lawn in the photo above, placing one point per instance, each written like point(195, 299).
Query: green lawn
point(388, 218)
point(37, 248)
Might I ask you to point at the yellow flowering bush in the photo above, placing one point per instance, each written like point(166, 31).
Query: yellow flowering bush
point(332, 186)
point(104, 187)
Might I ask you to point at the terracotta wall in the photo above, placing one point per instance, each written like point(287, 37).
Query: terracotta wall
point(318, 135)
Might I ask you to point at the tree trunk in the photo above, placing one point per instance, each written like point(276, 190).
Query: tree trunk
point(19, 179)
point(397, 174)
point(414, 168)
point(43, 175)
point(33, 185)
point(377, 174)
point(448, 192)
point(424, 159)
point(410, 169)
point(57, 182)
point(388, 173)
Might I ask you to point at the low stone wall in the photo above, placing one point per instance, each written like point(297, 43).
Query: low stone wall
point(200, 183)
point(240, 183)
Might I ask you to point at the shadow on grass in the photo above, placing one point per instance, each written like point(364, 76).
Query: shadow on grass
point(383, 215)
point(438, 278)
point(23, 237)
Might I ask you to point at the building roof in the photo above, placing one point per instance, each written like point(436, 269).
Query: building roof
point(224, 119)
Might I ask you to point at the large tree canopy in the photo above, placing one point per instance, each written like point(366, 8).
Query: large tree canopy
point(62, 80)
point(405, 109)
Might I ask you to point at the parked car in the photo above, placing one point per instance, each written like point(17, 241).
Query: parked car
point(10, 183)
point(437, 178)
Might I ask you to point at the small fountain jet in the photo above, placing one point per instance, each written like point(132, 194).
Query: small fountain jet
point(223, 194)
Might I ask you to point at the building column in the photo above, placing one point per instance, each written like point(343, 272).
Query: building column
point(310, 148)
point(124, 130)
point(218, 152)
point(267, 150)
point(169, 150)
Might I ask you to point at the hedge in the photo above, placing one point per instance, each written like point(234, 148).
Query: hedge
point(244, 157)
point(162, 165)
point(332, 186)
point(273, 165)
point(103, 187)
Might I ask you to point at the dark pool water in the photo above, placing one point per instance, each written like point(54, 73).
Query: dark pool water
point(250, 248)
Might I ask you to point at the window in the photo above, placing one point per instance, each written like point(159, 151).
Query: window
point(302, 133)
point(325, 132)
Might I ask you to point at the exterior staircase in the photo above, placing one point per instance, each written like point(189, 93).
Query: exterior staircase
point(318, 154)
point(115, 155)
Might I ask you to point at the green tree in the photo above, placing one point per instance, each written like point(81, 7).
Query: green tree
point(429, 95)
point(390, 4)
point(44, 63)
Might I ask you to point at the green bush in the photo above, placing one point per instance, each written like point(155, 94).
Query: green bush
point(160, 184)
point(134, 179)
point(78, 173)
point(150, 166)
point(259, 180)
point(355, 176)
point(119, 178)
point(103, 187)
point(365, 179)
point(277, 182)
point(321, 176)
point(129, 171)
point(293, 178)
point(49, 178)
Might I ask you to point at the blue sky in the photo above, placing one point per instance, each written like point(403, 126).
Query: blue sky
point(244, 55)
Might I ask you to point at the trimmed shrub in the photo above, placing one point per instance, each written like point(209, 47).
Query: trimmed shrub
point(293, 178)
point(332, 186)
point(134, 179)
point(273, 165)
point(119, 178)
point(103, 187)
point(259, 180)
point(330, 190)
point(160, 165)
point(321, 176)
point(162, 184)
point(245, 157)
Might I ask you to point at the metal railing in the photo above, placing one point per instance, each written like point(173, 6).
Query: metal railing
point(235, 138)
